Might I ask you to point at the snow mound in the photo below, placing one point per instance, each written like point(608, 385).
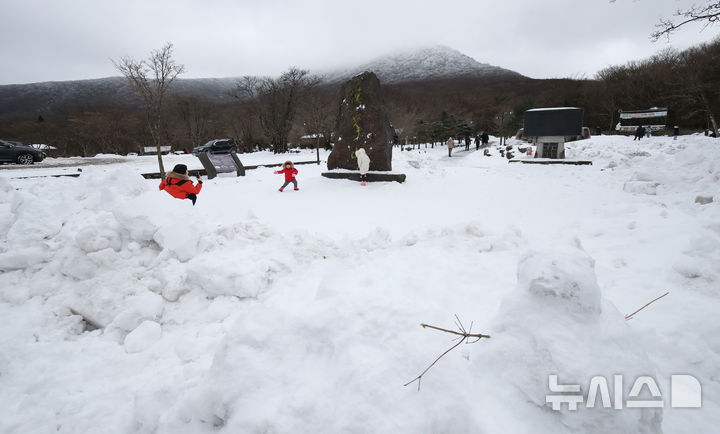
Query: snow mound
point(557, 323)
point(560, 280)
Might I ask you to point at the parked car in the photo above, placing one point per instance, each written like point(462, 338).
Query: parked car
point(217, 146)
point(16, 152)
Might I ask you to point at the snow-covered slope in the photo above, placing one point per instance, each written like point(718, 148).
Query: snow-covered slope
point(430, 63)
point(260, 311)
point(40, 98)
point(423, 64)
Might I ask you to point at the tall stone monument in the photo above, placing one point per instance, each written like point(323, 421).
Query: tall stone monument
point(362, 122)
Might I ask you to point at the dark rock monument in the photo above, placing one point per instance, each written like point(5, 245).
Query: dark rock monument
point(362, 122)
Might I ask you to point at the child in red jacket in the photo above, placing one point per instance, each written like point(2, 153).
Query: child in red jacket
point(177, 183)
point(290, 171)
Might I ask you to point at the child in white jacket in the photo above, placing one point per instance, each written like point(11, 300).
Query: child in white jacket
point(363, 164)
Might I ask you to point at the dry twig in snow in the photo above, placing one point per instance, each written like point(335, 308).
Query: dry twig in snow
point(631, 315)
point(464, 336)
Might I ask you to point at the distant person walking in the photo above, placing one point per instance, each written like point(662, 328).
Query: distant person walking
point(639, 133)
point(177, 183)
point(477, 142)
point(450, 144)
point(648, 131)
point(676, 132)
point(485, 138)
point(363, 164)
point(289, 171)
point(467, 143)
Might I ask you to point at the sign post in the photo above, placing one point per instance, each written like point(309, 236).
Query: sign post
point(221, 163)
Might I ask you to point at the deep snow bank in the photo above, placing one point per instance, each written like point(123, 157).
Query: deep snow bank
point(261, 311)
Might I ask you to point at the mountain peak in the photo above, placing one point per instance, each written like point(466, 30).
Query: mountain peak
point(423, 63)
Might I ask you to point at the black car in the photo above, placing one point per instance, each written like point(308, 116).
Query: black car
point(217, 146)
point(16, 152)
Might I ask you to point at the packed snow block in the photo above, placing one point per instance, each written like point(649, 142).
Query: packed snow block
point(35, 219)
point(641, 187)
point(230, 277)
point(641, 183)
point(146, 306)
point(23, 257)
point(143, 337)
point(182, 241)
point(362, 122)
point(95, 238)
point(371, 177)
point(142, 217)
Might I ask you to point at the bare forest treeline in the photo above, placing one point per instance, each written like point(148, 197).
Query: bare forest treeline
point(267, 113)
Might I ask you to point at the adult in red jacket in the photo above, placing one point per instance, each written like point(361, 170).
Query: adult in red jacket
point(177, 183)
point(290, 171)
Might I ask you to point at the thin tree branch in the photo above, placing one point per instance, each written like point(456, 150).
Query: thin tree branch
point(477, 335)
point(648, 304)
point(419, 377)
point(463, 337)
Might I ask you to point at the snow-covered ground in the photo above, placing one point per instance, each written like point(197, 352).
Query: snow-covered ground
point(259, 311)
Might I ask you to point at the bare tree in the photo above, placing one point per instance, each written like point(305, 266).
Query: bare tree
point(697, 74)
point(195, 116)
point(275, 100)
point(150, 80)
point(318, 118)
point(707, 13)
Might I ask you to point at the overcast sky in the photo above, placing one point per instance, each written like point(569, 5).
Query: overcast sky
point(53, 40)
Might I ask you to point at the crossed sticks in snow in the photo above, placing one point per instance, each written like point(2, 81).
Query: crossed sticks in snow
point(463, 336)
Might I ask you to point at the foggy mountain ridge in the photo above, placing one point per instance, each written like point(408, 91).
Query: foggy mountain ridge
point(430, 63)
point(439, 62)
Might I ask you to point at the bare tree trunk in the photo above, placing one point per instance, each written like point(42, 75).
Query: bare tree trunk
point(152, 90)
point(317, 148)
point(708, 110)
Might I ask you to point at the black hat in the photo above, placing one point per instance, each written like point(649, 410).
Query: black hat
point(180, 168)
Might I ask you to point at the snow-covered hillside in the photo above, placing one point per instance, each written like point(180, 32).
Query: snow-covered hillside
point(31, 99)
point(261, 311)
point(423, 64)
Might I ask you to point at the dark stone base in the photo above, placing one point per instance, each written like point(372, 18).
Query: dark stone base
point(371, 177)
point(573, 162)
